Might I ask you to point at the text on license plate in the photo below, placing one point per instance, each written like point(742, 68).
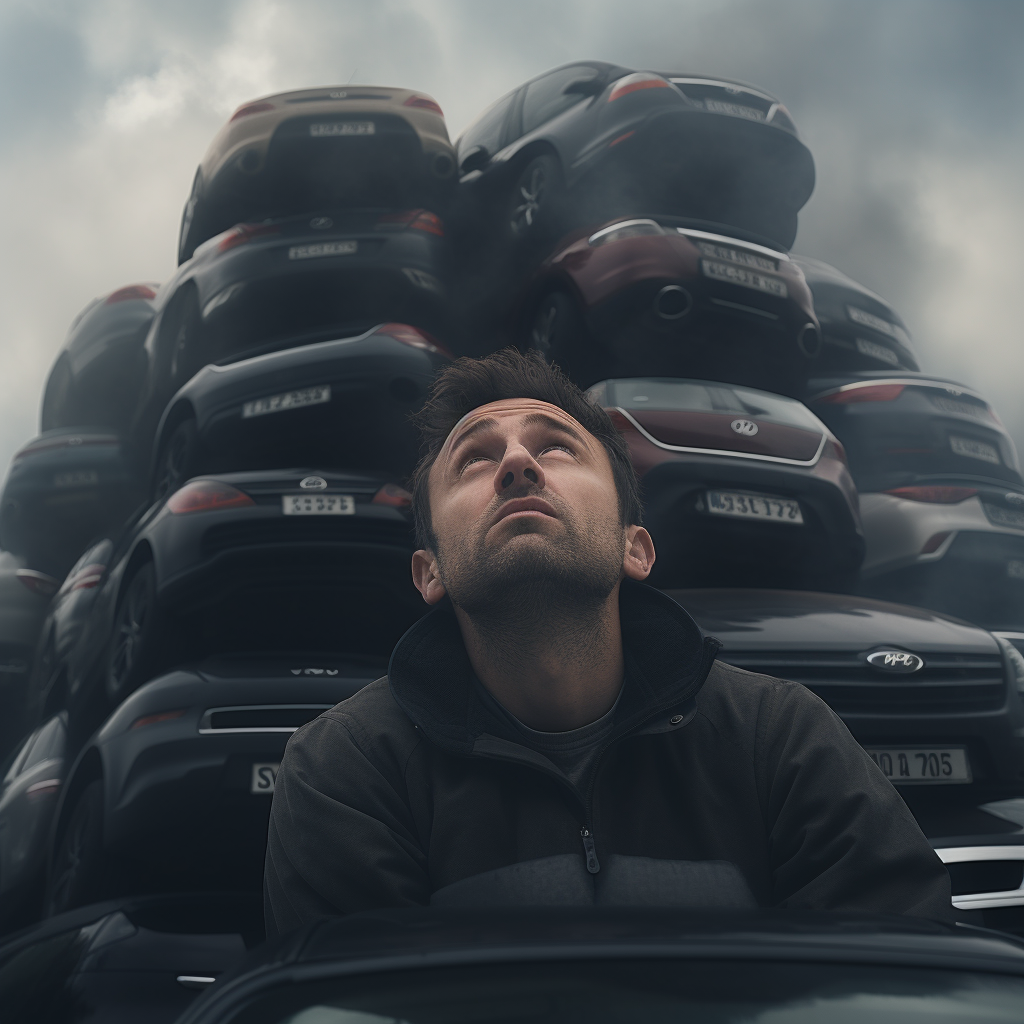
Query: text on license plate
point(975, 449)
point(289, 400)
point(263, 777)
point(754, 506)
point(317, 249)
point(745, 278)
point(912, 765)
point(318, 504)
point(332, 129)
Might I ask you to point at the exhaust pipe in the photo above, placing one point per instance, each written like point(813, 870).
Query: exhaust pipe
point(443, 165)
point(809, 340)
point(672, 302)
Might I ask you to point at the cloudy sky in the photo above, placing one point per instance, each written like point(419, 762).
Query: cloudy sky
point(914, 110)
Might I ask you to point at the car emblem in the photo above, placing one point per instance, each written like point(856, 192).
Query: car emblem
point(748, 428)
point(956, 392)
point(313, 483)
point(321, 223)
point(895, 661)
point(1013, 498)
point(339, 95)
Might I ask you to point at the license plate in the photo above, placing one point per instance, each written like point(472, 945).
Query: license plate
point(872, 349)
point(975, 450)
point(318, 504)
point(746, 259)
point(334, 129)
point(263, 777)
point(907, 766)
point(755, 506)
point(289, 400)
point(734, 110)
point(76, 478)
point(745, 278)
point(999, 516)
point(317, 249)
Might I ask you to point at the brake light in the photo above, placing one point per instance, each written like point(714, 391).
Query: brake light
point(934, 495)
point(240, 234)
point(423, 103)
point(427, 221)
point(207, 496)
point(132, 291)
point(413, 337)
point(251, 108)
point(160, 716)
point(416, 220)
point(867, 393)
point(621, 138)
point(393, 495)
point(634, 83)
point(87, 578)
point(38, 582)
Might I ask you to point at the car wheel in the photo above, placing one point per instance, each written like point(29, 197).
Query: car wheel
point(132, 651)
point(176, 459)
point(78, 872)
point(535, 197)
point(559, 334)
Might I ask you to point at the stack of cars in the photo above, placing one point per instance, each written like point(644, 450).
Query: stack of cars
point(208, 544)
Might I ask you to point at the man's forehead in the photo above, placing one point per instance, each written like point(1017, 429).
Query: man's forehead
point(511, 409)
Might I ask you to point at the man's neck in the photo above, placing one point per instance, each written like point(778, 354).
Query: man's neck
point(554, 670)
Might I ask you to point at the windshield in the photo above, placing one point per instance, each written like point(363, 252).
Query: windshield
point(655, 992)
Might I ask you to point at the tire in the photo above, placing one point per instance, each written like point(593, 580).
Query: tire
point(175, 460)
point(78, 873)
point(559, 334)
point(134, 647)
point(535, 199)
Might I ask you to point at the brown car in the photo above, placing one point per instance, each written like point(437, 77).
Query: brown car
point(650, 295)
point(350, 146)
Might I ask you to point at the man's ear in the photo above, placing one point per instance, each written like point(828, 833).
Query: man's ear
point(639, 558)
point(426, 576)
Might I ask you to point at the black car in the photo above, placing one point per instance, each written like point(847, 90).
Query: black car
point(283, 561)
point(937, 702)
point(612, 141)
point(341, 404)
point(64, 489)
point(125, 961)
point(96, 375)
point(860, 330)
point(551, 964)
point(173, 791)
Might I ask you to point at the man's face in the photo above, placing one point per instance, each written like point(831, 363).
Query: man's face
point(523, 505)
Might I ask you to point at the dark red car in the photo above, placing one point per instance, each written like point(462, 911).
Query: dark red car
point(741, 487)
point(653, 296)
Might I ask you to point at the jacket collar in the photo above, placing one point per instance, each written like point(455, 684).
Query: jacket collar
point(667, 660)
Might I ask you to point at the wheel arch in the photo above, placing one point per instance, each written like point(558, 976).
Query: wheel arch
point(88, 768)
point(179, 409)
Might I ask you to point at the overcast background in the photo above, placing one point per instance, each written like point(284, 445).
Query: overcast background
point(913, 109)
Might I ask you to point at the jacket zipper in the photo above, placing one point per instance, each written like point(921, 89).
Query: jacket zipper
point(593, 865)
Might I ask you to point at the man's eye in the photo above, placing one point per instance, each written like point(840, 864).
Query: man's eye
point(472, 459)
point(558, 448)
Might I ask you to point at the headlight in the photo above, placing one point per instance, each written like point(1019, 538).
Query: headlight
point(1015, 660)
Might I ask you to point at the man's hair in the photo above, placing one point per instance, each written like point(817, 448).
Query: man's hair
point(470, 383)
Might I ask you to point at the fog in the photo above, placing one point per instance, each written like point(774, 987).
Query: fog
point(912, 109)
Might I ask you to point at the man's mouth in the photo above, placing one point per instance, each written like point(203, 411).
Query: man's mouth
point(521, 507)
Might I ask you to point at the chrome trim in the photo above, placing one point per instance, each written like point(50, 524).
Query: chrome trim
point(985, 900)
point(771, 112)
point(205, 729)
point(728, 86)
point(618, 225)
point(746, 309)
point(198, 982)
point(711, 236)
point(899, 380)
point(715, 451)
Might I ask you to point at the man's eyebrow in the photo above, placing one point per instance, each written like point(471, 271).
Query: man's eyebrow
point(543, 419)
point(481, 424)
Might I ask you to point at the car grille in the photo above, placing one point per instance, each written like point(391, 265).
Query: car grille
point(305, 530)
point(948, 684)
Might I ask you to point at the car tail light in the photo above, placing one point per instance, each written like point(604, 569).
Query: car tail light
point(868, 393)
point(49, 444)
point(415, 220)
point(393, 495)
point(934, 495)
point(38, 582)
point(45, 788)
point(430, 222)
point(621, 138)
point(132, 291)
point(413, 337)
point(87, 578)
point(251, 108)
point(240, 234)
point(207, 496)
point(934, 542)
point(424, 103)
point(835, 449)
point(160, 716)
point(634, 83)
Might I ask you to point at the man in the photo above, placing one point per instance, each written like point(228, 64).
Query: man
point(555, 732)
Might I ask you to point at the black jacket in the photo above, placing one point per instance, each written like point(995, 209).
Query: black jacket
point(413, 786)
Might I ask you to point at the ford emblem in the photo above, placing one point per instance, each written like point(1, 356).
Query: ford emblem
point(748, 428)
point(313, 483)
point(895, 661)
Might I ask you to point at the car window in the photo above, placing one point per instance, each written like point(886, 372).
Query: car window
point(488, 129)
point(48, 744)
point(546, 98)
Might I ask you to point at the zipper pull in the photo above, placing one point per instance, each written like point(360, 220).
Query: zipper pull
point(590, 849)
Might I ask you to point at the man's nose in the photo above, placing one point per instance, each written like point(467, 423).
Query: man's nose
point(518, 467)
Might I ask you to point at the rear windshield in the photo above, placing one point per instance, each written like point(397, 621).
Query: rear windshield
point(671, 395)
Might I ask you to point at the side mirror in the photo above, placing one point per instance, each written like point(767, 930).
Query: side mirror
point(585, 87)
point(475, 159)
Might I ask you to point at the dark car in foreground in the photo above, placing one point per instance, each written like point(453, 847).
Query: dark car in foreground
point(96, 375)
point(741, 487)
point(547, 965)
point(650, 295)
point(341, 404)
point(937, 702)
point(860, 330)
